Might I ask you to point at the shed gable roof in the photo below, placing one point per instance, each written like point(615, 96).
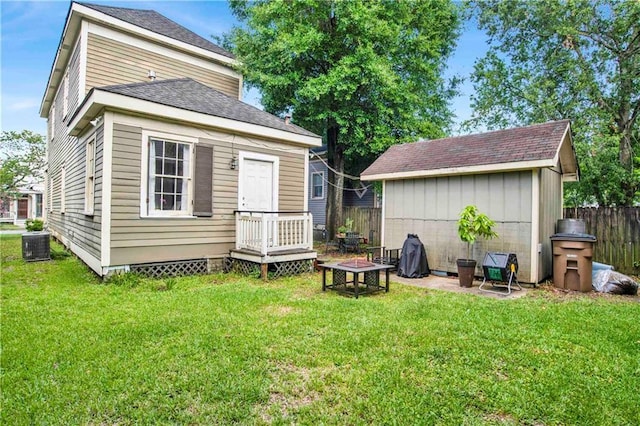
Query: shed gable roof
point(520, 148)
point(153, 21)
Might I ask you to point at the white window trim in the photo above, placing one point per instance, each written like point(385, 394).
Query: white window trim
point(63, 178)
point(50, 194)
point(246, 155)
point(90, 176)
point(53, 121)
point(145, 212)
point(65, 95)
point(321, 173)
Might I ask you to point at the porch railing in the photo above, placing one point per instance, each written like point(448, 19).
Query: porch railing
point(268, 232)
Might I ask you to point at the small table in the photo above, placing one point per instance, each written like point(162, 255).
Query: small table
point(370, 274)
point(342, 242)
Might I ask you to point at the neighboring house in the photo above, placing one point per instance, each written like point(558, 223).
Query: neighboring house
point(355, 193)
point(515, 176)
point(27, 204)
point(154, 163)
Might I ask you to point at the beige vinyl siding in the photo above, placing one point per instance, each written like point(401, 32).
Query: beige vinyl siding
point(143, 240)
point(430, 208)
point(74, 82)
point(111, 62)
point(73, 223)
point(550, 212)
point(70, 152)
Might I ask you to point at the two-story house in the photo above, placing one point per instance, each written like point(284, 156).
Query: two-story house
point(155, 163)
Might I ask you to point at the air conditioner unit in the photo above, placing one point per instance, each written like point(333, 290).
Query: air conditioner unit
point(35, 246)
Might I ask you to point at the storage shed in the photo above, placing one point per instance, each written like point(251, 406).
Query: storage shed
point(515, 176)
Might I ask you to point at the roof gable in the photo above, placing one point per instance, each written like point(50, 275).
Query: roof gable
point(188, 94)
point(147, 24)
point(157, 23)
point(189, 102)
point(512, 149)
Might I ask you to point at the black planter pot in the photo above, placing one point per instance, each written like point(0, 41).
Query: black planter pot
point(466, 271)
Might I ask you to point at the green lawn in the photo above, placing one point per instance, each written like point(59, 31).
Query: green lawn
point(9, 227)
point(223, 349)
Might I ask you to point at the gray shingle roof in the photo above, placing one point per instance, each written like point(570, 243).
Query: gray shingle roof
point(153, 21)
point(530, 143)
point(191, 95)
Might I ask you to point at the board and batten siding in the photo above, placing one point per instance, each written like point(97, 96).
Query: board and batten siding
point(430, 208)
point(144, 240)
point(73, 227)
point(111, 62)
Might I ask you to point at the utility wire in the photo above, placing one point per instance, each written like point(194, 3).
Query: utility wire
point(324, 179)
point(334, 170)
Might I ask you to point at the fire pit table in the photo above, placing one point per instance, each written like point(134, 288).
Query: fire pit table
point(359, 268)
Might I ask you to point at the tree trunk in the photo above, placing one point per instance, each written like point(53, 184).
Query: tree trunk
point(624, 129)
point(335, 159)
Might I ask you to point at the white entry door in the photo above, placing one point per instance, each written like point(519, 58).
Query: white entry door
point(258, 183)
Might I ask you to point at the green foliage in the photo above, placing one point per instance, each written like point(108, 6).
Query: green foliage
point(472, 225)
point(551, 60)
point(58, 252)
point(373, 68)
point(22, 157)
point(125, 279)
point(226, 349)
point(347, 227)
point(363, 74)
point(32, 225)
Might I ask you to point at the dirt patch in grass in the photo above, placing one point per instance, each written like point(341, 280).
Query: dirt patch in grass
point(279, 310)
point(500, 418)
point(292, 388)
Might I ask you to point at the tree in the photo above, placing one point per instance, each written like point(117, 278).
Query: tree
point(577, 59)
point(22, 158)
point(363, 74)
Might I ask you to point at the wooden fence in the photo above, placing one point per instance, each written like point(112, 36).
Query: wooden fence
point(365, 220)
point(618, 234)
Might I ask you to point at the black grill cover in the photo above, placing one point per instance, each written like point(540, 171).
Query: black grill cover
point(413, 261)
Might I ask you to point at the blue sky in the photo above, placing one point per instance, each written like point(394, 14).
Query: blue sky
point(31, 32)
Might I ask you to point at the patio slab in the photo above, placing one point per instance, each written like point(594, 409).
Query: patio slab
point(436, 282)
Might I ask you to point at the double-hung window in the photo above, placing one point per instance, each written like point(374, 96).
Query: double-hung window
point(63, 188)
point(169, 172)
point(317, 185)
point(89, 188)
point(65, 95)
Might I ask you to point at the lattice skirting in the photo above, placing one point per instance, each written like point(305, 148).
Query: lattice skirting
point(172, 269)
point(276, 270)
point(240, 266)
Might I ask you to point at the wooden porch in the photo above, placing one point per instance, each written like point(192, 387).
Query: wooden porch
point(283, 239)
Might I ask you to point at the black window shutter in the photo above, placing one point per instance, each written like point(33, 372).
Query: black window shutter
point(203, 181)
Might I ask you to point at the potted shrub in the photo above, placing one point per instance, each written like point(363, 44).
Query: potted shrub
point(472, 225)
point(342, 230)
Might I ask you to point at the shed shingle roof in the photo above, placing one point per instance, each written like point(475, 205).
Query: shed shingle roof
point(191, 95)
point(522, 144)
point(153, 21)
